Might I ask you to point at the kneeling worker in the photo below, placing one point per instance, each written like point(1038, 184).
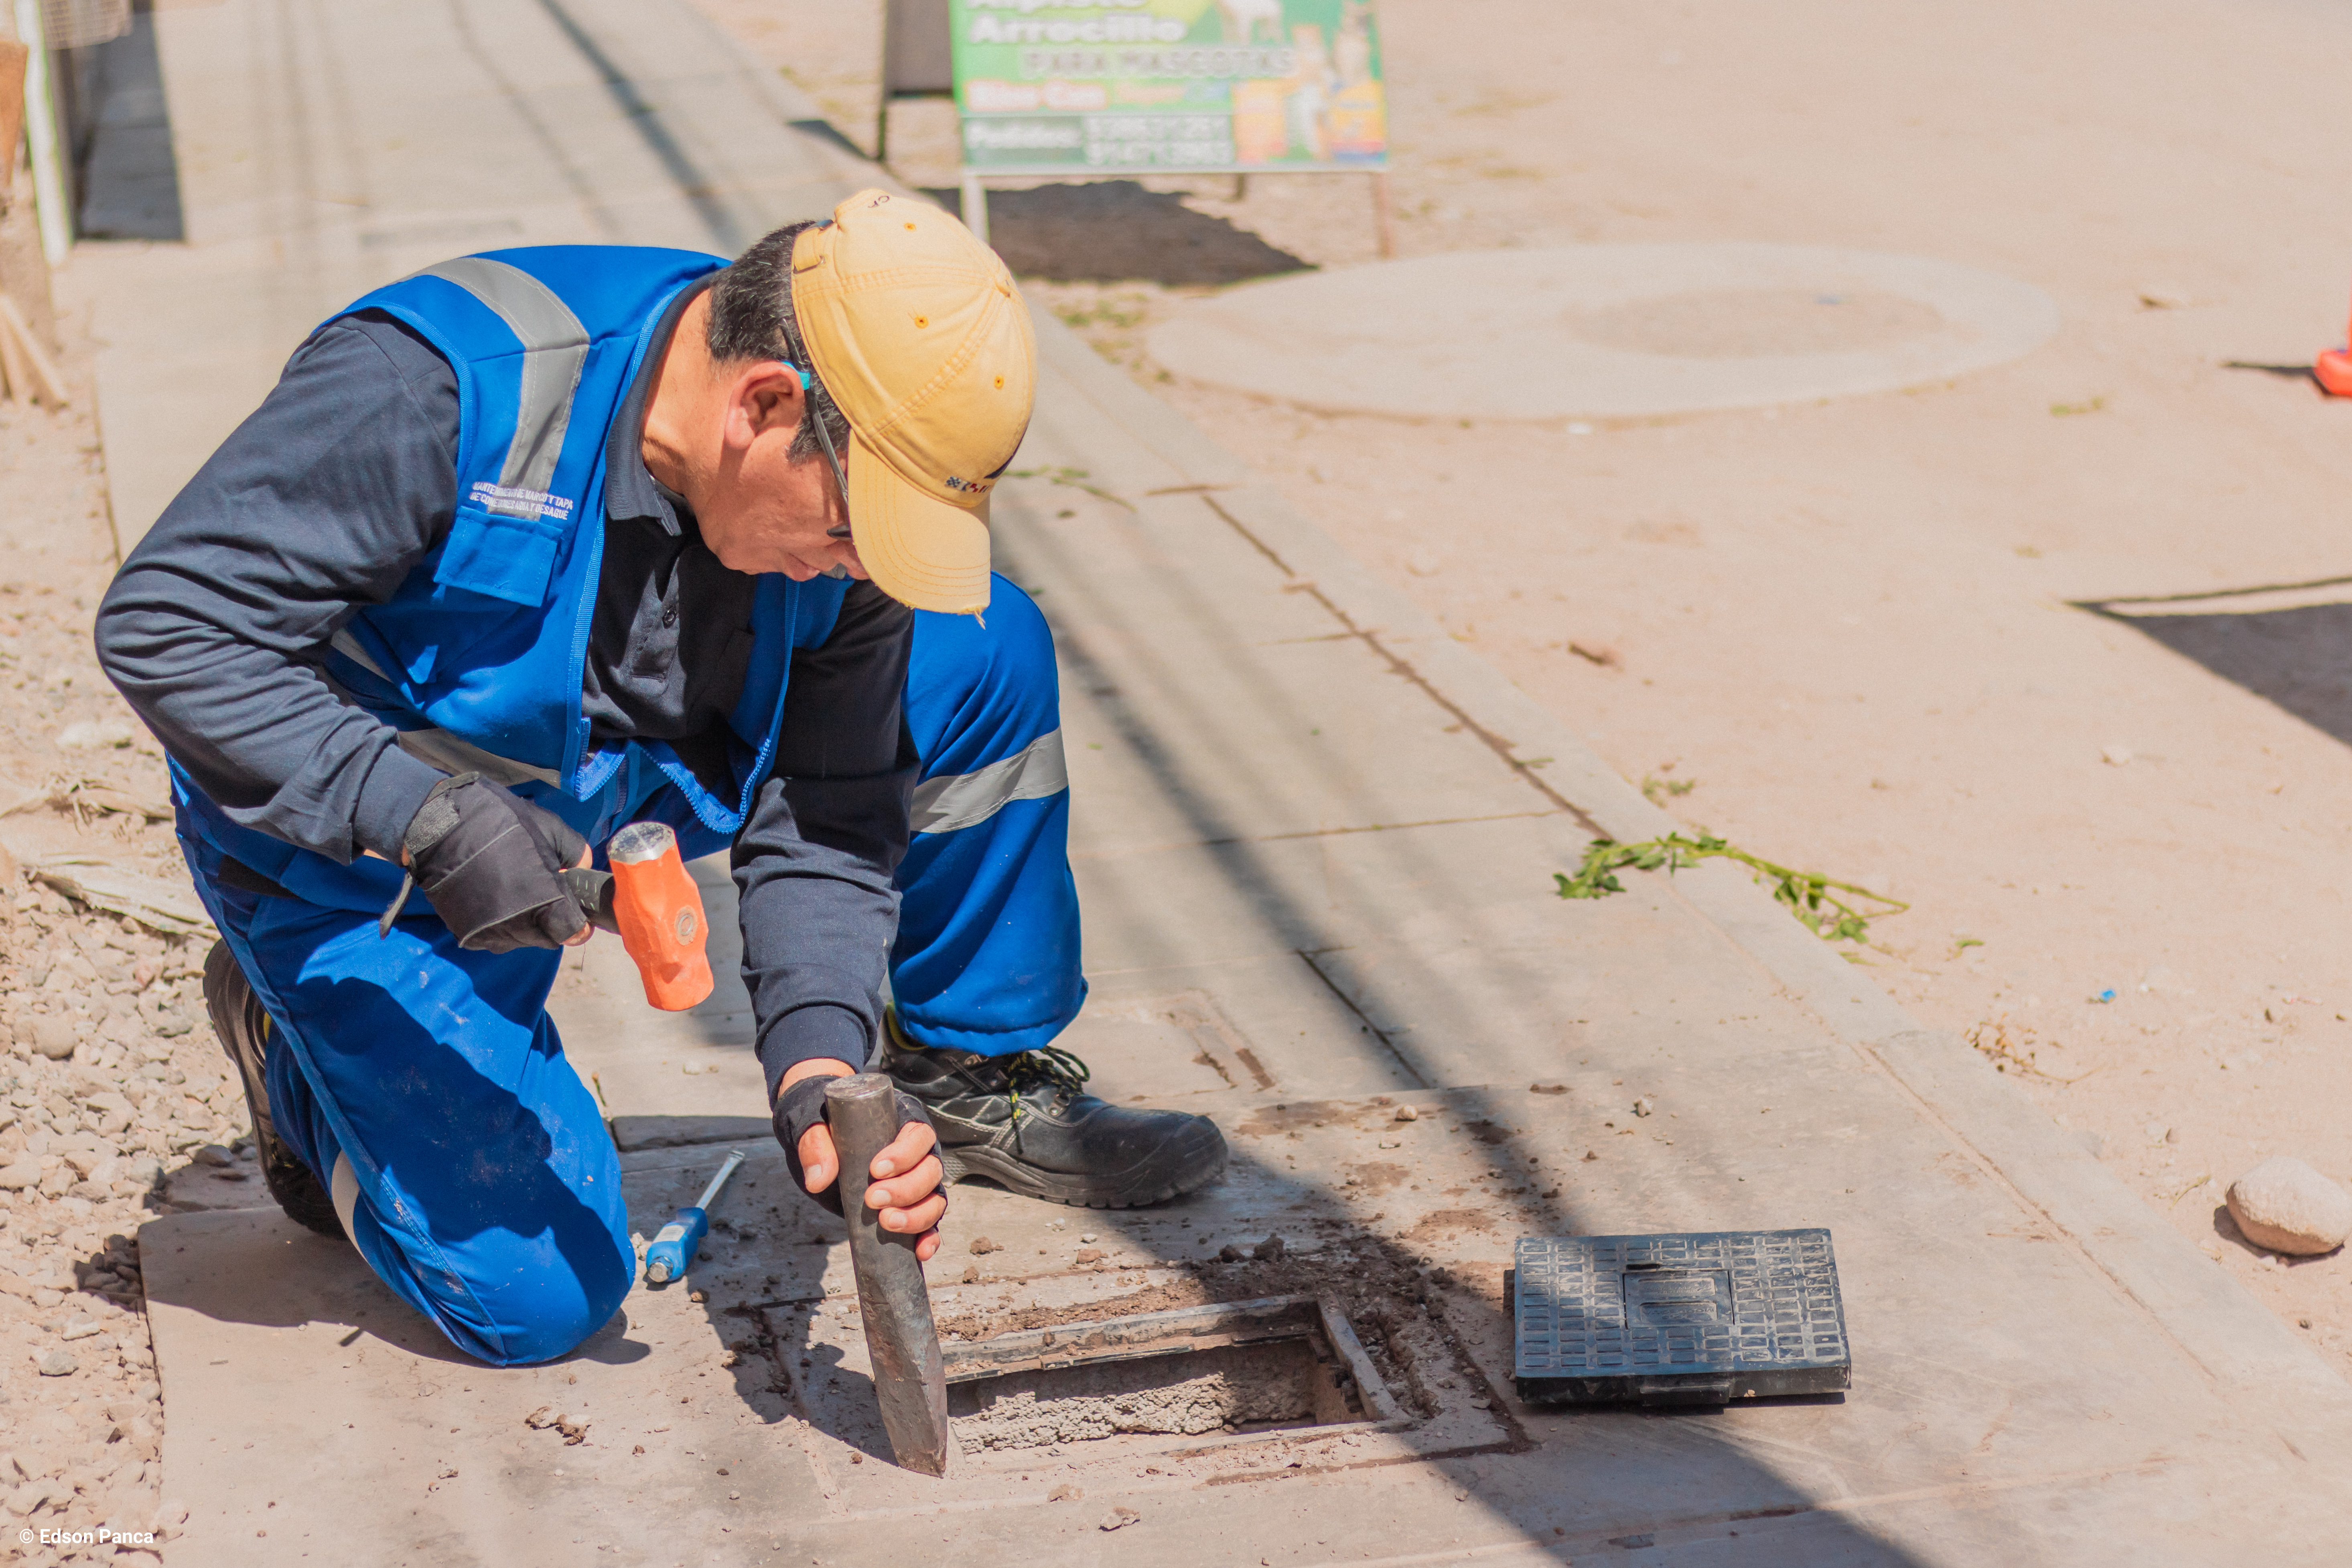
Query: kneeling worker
point(528, 547)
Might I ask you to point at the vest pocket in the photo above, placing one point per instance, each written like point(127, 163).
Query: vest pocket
point(502, 556)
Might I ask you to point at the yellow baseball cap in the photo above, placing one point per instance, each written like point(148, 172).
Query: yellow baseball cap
point(915, 328)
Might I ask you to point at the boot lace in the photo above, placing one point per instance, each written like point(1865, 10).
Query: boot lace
point(1049, 1072)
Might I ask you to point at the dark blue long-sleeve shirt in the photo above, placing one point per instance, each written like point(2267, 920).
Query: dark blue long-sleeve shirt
point(328, 496)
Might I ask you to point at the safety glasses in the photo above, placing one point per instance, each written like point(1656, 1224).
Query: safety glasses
point(810, 389)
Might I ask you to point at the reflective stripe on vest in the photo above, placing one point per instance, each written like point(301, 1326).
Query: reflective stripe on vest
point(1035, 771)
point(554, 346)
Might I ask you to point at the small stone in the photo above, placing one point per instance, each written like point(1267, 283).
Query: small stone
point(983, 1246)
point(2284, 1206)
point(213, 1155)
point(1643, 1107)
point(55, 1362)
point(1118, 1517)
point(95, 735)
point(81, 1328)
point(1090, 1255)
point(1589, 1154)
point(1088, 1238)
point(1407, 1114)
point(970, 1275)
point(55, 1037)
point(1064, 1493)
point(1270, 1250)
point(23, 1171)
point(1547, 1089)
point(1231, 1253)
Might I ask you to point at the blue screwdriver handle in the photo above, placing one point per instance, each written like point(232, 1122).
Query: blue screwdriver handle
point(675, 1244)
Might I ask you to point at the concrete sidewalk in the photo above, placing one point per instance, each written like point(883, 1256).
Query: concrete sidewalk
point(1314, 836)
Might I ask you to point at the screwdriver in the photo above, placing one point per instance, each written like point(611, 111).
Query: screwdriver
point(672, 1246)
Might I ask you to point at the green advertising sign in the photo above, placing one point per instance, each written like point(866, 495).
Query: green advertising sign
point(1222, 86)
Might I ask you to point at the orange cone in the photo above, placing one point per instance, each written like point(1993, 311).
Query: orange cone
point(2334, 371)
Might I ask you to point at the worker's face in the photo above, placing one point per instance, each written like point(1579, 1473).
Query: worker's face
point(762, 510)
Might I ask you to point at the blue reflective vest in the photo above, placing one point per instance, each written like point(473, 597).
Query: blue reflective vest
point(477, 660)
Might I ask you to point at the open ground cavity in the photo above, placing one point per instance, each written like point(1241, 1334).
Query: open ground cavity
point(1234, 1388)
point(1243, 1367)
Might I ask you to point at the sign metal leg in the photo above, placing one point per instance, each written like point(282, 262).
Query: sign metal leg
point(975, 207)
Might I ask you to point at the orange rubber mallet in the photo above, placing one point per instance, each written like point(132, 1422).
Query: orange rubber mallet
point(650, 900)
point(2334, 371)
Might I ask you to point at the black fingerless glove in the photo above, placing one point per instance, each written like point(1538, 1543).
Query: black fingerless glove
point(801, 1106)
point(493, 865)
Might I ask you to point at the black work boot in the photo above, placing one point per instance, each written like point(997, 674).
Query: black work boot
point(1025, 1122)
point(243, 1025)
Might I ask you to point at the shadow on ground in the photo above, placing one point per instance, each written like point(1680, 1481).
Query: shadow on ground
point(126, 175)
point(2299, 658)
point(1115, 231)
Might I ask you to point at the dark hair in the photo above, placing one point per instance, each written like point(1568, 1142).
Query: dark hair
point(752, 319)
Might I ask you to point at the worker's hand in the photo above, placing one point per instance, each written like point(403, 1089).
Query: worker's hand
point(903, 1181)
point(492, 862)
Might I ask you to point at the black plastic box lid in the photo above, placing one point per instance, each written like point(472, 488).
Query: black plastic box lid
point(1696, 1318)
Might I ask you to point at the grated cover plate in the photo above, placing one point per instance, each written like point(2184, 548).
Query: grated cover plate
point(1694, 1318)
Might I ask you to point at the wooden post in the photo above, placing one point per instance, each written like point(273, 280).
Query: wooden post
point(12, 56)
point(50, 192)
point(1382, 215)
point(26, 372)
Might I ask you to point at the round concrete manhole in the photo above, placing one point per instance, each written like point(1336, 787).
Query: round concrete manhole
point(1605, 331)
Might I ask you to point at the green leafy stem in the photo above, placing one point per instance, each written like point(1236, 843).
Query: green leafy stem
point(1810, 896)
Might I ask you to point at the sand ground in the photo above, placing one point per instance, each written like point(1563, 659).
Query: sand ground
point(1850, 627)
point(141, 1088)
